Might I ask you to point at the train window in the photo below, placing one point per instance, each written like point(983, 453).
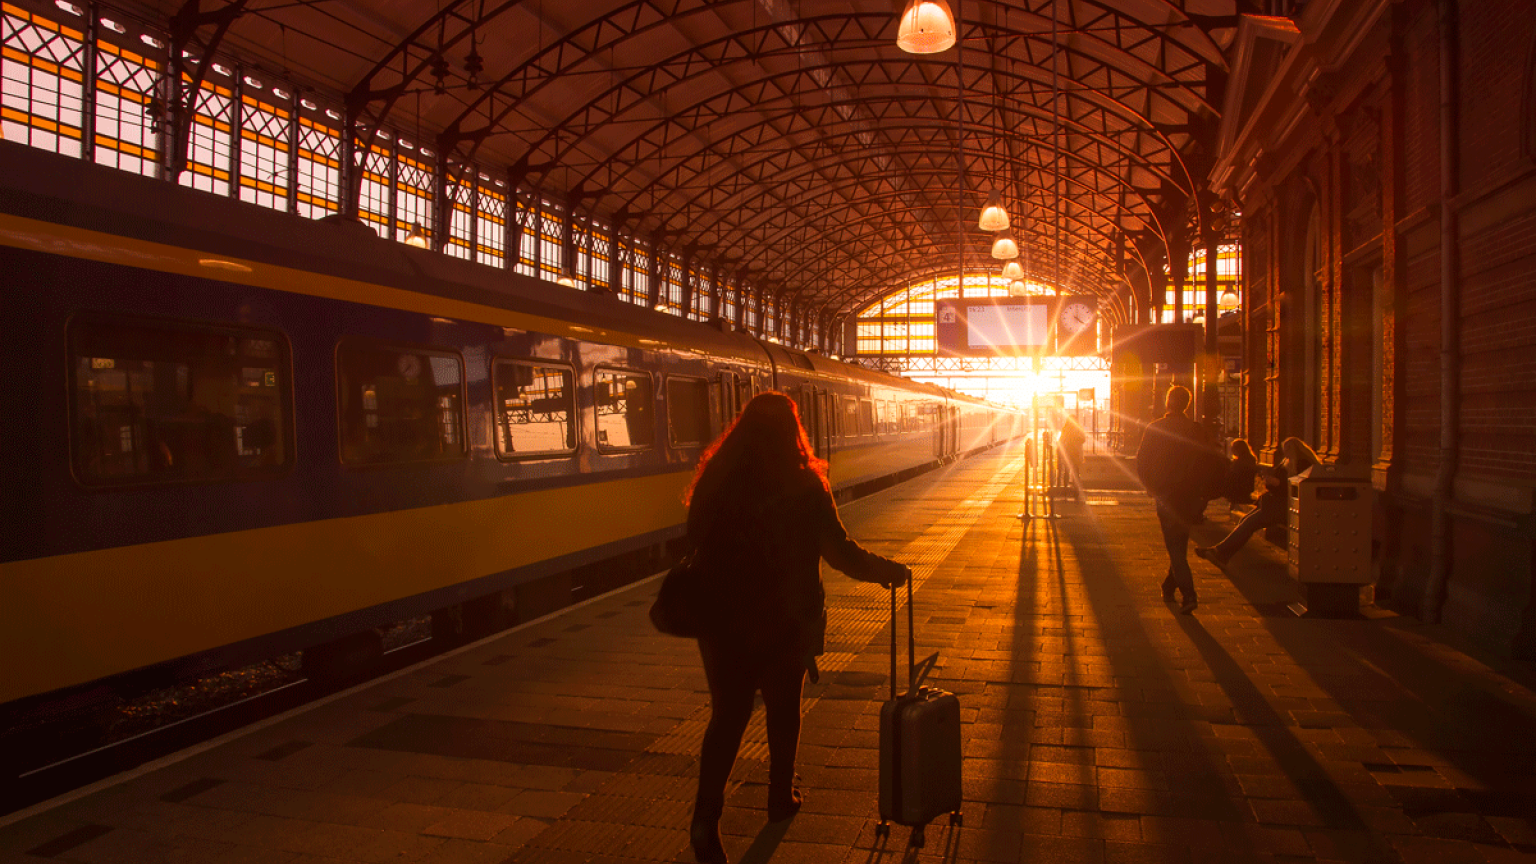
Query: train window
point(866, 418)
point(744, 391)
point(624, 409)
point(399, 404)
point(535, 406)
point(688, 411)
point(848, 424)
point(167, 402)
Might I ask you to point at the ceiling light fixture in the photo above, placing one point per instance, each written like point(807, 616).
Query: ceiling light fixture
point(1013, 270)
point(1003, 245)
point(1017, 288)
point(1229, 299)
point(994, 217)
point(567, 280)
point(927, 27)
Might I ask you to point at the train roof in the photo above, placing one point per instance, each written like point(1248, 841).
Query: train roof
point(174, 225)
point(107, 205)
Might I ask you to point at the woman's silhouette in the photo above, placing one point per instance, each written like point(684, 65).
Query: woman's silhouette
point(761, 515)
point(1242, 470)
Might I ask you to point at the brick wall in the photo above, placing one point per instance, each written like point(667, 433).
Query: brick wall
point(1495, 51)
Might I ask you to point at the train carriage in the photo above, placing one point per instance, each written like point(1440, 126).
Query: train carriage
point(223, 445)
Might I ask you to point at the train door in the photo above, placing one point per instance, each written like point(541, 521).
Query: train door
point(813, 405)
point(935, 412)
point(946, 431)
point(722, 403)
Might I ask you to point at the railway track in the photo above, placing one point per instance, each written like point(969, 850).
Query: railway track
point(50, 757)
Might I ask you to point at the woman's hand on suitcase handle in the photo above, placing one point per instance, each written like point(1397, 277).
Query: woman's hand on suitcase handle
point(898, 575)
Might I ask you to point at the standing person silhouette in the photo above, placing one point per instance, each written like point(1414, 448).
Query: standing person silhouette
point(1171, 464)
point(761, 515)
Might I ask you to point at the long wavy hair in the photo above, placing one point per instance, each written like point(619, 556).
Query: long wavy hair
point(1241, 450)
point(1297, 455)
point(764, 449)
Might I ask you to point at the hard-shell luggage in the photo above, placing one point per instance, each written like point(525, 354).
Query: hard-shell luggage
point(919, 746)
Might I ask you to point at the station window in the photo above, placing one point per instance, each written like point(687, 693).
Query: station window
point(625, 409)
point(399, 404)
point(688, 411)
point(167, 402)
point(535, 406)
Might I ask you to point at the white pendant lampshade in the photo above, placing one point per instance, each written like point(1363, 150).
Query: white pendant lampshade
point(1017, 288)
point(927, 27)
point(1229, 299)
point(994, 217)
point(1013, 270)
point(1003, 246)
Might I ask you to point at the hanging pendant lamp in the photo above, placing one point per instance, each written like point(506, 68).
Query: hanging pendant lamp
point(1003, 246)
point(994, 217)
point(1017, 288)
point(927, 27)
point(1013, 270)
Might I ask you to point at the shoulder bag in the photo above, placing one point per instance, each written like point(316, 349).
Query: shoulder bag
point(679, 606)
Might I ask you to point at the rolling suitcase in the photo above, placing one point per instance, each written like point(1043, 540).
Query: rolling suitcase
point(919, 746)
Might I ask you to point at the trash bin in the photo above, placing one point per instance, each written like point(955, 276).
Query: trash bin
point(1329, 534)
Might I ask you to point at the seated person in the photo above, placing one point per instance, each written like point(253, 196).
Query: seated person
point(1241, 472)
point(1296, 459)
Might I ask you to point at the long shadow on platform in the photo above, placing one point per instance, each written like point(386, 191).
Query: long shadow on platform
point(1472, 726)
point(1206, 793)
point(1127, 648)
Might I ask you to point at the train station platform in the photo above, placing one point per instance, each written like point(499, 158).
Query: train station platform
point(1100, 724)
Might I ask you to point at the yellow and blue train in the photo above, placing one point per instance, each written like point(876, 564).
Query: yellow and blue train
point(230, 433)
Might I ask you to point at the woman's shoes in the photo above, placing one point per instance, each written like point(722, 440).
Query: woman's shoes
point(1210, 554)
point(707, 847)
point(784, 808)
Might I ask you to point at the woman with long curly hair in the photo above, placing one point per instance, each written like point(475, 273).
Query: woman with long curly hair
point(761, 515)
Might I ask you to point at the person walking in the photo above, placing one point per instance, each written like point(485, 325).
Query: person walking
point(1295, 458)
point(761, 517)
point(1174, 465)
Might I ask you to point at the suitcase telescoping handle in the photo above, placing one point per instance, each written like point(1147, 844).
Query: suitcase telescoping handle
point(911, 641)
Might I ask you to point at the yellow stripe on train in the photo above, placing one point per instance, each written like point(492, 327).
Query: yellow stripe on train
point(74, 618)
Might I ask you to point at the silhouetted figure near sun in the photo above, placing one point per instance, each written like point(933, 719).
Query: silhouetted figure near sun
point(761, 516)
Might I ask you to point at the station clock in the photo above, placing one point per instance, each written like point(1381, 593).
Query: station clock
point(1075, 317)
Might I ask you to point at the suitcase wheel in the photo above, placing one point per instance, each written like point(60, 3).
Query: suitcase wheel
point(956, 818)
point(918, 840)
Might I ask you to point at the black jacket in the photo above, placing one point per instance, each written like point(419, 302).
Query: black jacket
point(764, 556)
point(1176, 462)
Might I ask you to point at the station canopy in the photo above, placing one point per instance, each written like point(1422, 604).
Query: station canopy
point(790, 143)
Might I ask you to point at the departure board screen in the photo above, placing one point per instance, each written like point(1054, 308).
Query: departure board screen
point(993, 326)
